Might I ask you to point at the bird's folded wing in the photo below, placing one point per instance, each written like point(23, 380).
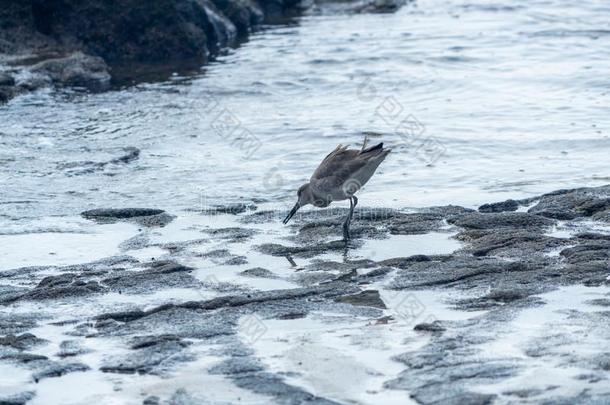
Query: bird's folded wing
point(338, 167)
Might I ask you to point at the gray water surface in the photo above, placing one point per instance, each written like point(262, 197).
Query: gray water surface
point(508, 99)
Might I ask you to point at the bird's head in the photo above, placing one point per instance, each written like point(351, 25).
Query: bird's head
point(305, 196)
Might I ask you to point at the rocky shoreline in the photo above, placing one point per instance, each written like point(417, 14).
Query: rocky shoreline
point(513, 256)
point(91, 44)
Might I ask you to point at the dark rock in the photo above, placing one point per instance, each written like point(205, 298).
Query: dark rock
point(236, 261)
point(236, 365)
point(274, 386)
point(258, 272)
point(369, 298)
point(17, 399)
point(602, 302)
point(6, 80)
point(224, 257)
point(291, 316)
point(23, 357)
point(21, 342)
point(141, 342)
point(508, 205)
point(496, 298)
point(507, 220)
point(77, 69)
point(434, 327)
point(232, 235)
point(56, 369)
point(124, 316)
point(12, 323)
point(152, 400)
point(6, 93)
point(461, 272)
point(234, 209)
point(120, 213)
point(405, 262)
point(146, 359)
point(570, 204)
point(71, 348)
point(415, 224)
point(511, 243)
point(161, 275)
point(67, 285)
point(597, 250)
point(147, 217)
point(274, 249)
point(311, 278)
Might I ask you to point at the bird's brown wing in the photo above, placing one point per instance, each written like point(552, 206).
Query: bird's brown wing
point(336, 169)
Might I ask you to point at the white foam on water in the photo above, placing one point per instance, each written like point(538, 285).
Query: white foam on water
point(348, 358)
point(539, 322)
point(90, 242)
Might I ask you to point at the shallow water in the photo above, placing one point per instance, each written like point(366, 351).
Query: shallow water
point(508, 100)
point(512, 99)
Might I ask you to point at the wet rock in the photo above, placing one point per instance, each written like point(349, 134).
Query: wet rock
point(597, 250)
point(152, 400)
point(57, 369)
point(601, 302)
point(71, 348)
point(17, 399)
point(243, 14)
point(406, 262)
point(236, 365)
point(416, 224)
point(6, 79)
point(146, 359)
point(232, 235)
point(68, 285)
point(236, 261)
point(12, 323)
point(139, 241)
point(77, 69)
point(120, 213)
point(141, 342)
point(160, 275)
point(505, 220)
point(6, 93)
point(274, 386)
point(511, 243)
point(570, 204)
point(224, 257)
point(311, 278)
point(434, 327)
point(258, 272)
point(369, 298)
point(149, 217)
point(305, 251)
point(21, 342)
point(219, 316)
point(173, 320)
point(23, 358)
point(234, 209)
point(508, 205)
point(459, 272)
point(496, 298)
point(123, 316)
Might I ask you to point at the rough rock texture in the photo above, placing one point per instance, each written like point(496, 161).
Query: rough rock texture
point(81, 43)
point(503, 277)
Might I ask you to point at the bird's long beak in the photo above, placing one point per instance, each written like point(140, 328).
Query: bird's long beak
point(291, 213)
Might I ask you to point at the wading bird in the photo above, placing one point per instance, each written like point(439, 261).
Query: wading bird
point(340, 175)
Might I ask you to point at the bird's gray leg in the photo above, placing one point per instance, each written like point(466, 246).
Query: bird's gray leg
point(348, 220)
